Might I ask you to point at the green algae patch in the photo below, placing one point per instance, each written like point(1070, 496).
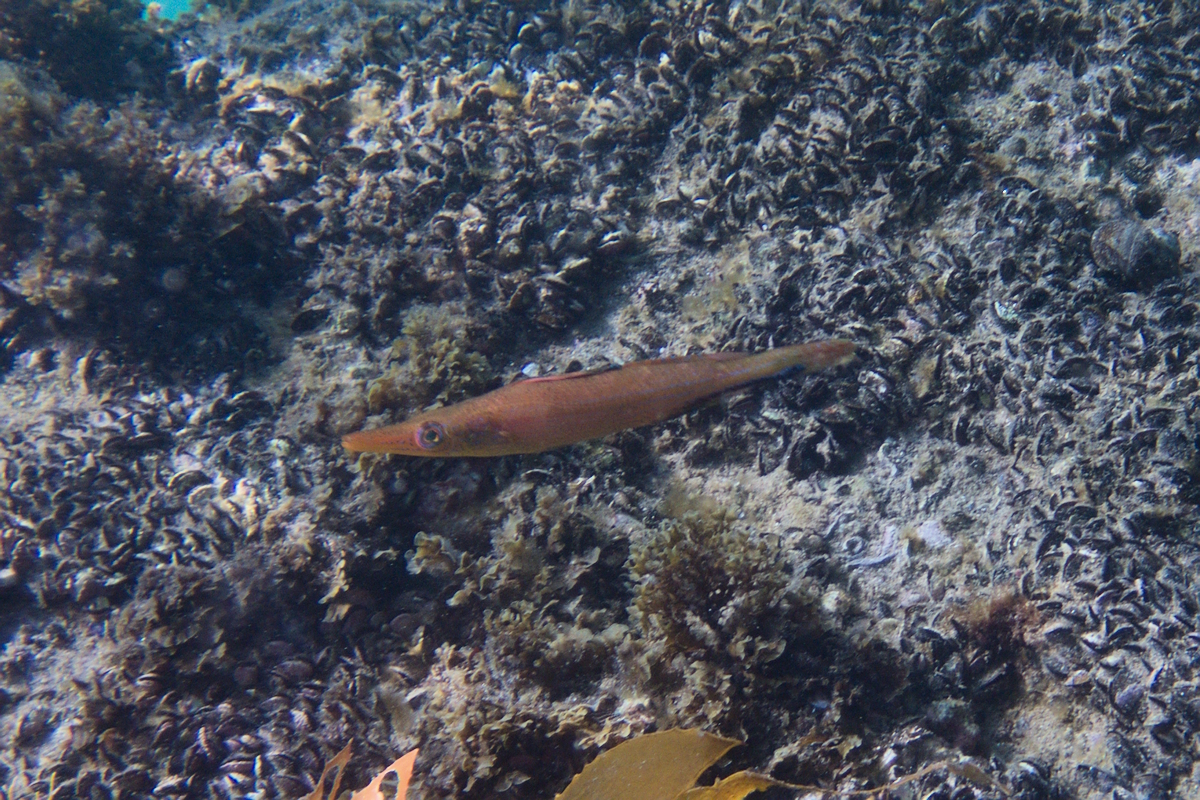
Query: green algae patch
point(708, 585)
point(430, 363)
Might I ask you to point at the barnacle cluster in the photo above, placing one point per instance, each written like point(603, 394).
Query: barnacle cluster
point(226, 241)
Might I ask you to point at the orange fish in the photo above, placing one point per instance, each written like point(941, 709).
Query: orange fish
point(538, 414)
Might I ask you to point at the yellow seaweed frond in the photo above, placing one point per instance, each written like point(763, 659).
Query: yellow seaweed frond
point(397, 787)
point(337, 763)
point(390, 784)
point(656, 766)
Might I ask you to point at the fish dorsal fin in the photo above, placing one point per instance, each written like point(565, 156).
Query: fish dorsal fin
point(724, 356)
point(569, 375)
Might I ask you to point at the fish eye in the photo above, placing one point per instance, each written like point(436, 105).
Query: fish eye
point(431, 435)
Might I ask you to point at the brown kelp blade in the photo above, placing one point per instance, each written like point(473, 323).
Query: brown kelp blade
point(657, 766)
point(665, 766)
point(735, 787)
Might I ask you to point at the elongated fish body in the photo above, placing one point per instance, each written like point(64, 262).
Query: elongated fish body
point(531, 416)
